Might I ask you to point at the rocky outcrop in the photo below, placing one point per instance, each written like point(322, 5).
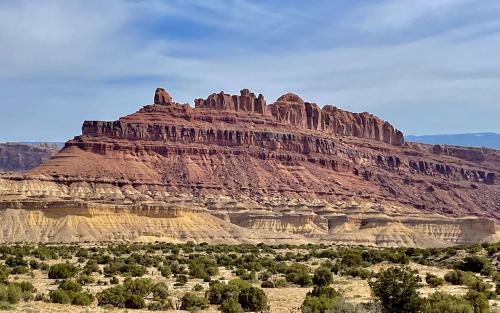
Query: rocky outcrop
point(23, 157)
point(291, 109)
point(245, 102)
point(162, 97)
point(237, 147)
point(36, 210)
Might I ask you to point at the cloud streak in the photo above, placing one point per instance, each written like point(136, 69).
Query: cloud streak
point(427, 66)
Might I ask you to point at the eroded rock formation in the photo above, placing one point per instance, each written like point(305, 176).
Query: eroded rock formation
point(23, 157)
point(237, 147)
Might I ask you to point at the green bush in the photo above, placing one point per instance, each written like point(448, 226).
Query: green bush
point(162, 305)
point(134, 301)
point(140, 286)
point(191, 302)
point(91, 267)
point(320, 300)
point(395, 289)
point(81, 298)
point(160, 291)
point(197, 287)
point(352, 259)
point(10, 293)
point(231, 305)
point(433, 280)
point(165, 271)
point(267, 284)
point(70, 285)
point(478, 301)
point(253, 299)
point(4, 273)
point(444, 303)
point(115, 296)
point(20, 270)
point(62, 271)
point(59, 296)
point(218, 292)
point(298, 274)
point(322, 277)
point(458, 277)
point(70, 293)
point(181, 280)
point(476, 264)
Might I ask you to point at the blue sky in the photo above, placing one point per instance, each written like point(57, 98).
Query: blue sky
point(426, 66)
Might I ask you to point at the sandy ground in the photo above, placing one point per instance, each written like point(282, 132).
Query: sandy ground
point(281, 300)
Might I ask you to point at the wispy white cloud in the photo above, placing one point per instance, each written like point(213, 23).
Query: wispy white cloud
point(64, 61)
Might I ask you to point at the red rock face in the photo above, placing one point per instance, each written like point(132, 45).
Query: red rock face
point(240, 147)
point(162, 97)
point(245, 102)
point(21, 157)
point(291, 109)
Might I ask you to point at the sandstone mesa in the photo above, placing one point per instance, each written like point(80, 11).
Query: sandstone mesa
point(235, 169)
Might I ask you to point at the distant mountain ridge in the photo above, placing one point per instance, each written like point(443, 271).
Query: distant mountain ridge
point(488, 140)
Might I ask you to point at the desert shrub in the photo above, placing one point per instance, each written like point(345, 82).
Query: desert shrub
point(458, 277)
point(15, 261)
point(70, 292)
point(265, 275)
point(34, 264)
point(191, 302)
point(218, 292)
point(202, 267)
point(70, 285)
point(250, 276)
point(162, 305)
point(320, 300)
point(280, 283)
point(197, 287)
point(84, 279)
point(82, 253)
point(81, 298)
point(119, 267)
point(4, 273)
point(476, 264)
point(360, 272)
point(140, 286)
point(298, 274)
point(59, 296)
point(444, 303)
point(10, 293)
point(26, 286)
point(252, 299)
point(160, 291)
point(231, 305)
point(165, 271)
point(132, 293)
point(91, 267)
point(115, 296)
point(62, 271)
point(478, 300)
point(433, 280)
point(352, 259)
point(395, 289)
point(19, 270)
point(181, 280)
point(267, 284)
point(322, 277)
point(134, 301)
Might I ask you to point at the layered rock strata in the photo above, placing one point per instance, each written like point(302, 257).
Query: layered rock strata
point(22, 157)
point(238, 147)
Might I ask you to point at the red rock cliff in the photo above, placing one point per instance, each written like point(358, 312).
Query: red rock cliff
point(239, 146)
